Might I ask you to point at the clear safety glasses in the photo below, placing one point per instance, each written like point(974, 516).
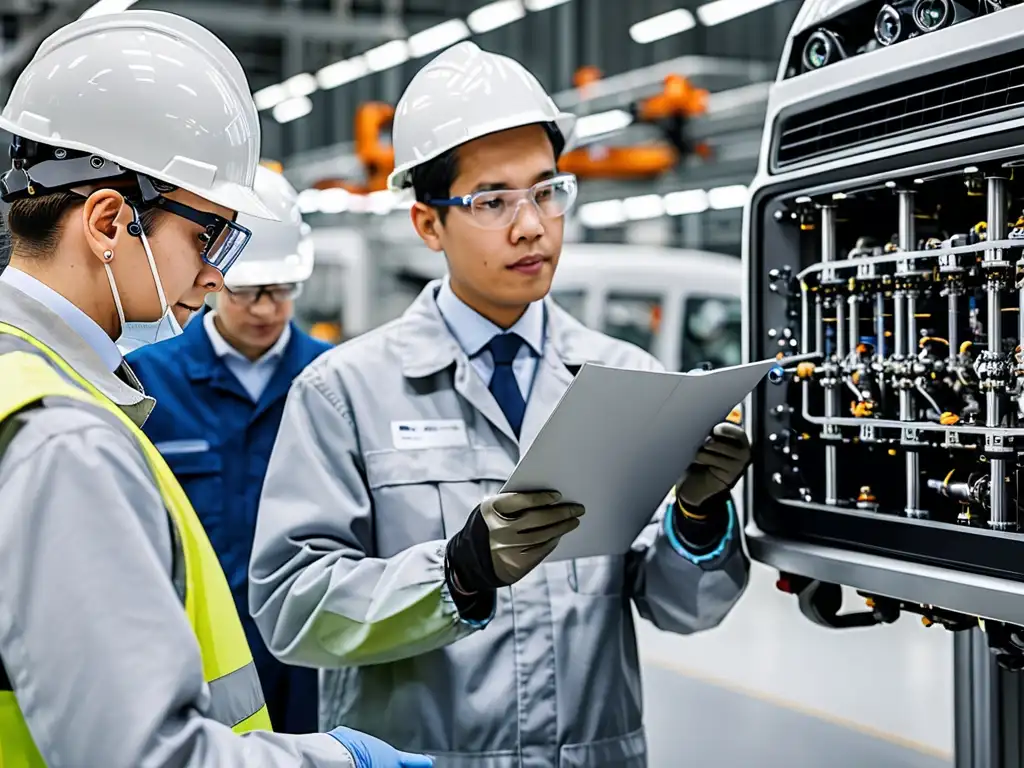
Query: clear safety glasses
point(250, 295)
point(496, 209)
point(223, 240)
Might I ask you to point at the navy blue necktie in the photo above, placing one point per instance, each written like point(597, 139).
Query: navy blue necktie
point(504, 386)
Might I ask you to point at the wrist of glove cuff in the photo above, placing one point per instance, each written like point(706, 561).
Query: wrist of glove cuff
point(469, 570)
point(701, 529)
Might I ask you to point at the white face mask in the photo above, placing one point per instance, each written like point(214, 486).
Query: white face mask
point(139, 334)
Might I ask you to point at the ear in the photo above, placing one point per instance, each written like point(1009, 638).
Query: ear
point(105, 217)
point(428, 225)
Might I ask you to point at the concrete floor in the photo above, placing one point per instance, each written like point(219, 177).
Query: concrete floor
point(796, 695)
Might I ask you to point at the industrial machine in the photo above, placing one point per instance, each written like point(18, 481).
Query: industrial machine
point(884, 241)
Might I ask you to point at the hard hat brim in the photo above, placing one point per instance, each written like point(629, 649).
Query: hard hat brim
point(401, 178)
point(232, 196)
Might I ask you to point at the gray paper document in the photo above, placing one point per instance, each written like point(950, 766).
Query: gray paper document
point(617, 442)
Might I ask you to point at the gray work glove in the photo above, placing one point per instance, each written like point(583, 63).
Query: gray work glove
point(506, 537)
point(718, 466)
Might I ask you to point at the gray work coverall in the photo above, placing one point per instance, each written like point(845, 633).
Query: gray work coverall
point(102, 658)
point(347, 569)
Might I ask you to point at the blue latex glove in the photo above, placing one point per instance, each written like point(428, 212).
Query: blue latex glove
point(371, 752)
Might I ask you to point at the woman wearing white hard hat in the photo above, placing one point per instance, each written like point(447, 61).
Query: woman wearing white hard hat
point(135, 146)
point(236, 362)
point(382, 538)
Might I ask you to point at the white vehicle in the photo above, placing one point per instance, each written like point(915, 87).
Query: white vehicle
point(682, 306)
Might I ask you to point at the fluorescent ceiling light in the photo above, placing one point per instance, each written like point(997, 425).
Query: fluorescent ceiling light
point(643, 207)
point(335, 200)
point(341, 72)
point(720, 11)
point(270, 96)
point(733, 196)
point(494, 15)
point(437, 37)
point(387, 56)
point(663, 25)
point(309, 200)
point(292, 109)
point(686, 201)
point(600, 123)
point(606, 213)
point(542, 5)
point(300, 85)
point(103, 7)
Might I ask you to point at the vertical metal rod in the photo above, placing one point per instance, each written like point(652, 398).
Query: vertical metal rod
point(953, 332)
point(828, 255)
point(819, 326)
point(854, 332)
point(906, 234)
point(906, 337)
point(805, 321)
point(842, 350)
point(828, 240)
point(996, 212)
point(880, 327)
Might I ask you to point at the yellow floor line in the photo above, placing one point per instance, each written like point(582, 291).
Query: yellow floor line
point(778, 701)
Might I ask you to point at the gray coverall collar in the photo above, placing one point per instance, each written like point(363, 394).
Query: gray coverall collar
point(36, 319)
point(426, 346)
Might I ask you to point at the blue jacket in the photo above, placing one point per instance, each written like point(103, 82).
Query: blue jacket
point(215, 439)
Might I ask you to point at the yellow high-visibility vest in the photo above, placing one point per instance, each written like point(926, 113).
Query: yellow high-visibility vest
point(237, 698)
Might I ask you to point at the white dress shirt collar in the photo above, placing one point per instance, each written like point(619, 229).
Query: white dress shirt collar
point(222, 348)
point(80, 322)
point(473, 331)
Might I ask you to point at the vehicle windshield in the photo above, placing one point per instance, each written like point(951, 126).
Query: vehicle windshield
point(712, 332)
point(635, 318)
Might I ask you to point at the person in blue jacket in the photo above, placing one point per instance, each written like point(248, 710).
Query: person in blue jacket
point(220, 389)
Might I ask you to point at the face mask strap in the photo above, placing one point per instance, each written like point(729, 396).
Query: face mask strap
point(138, 232)
point(117, 296)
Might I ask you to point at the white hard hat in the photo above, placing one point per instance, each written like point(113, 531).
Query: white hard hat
point(146, 91)
point(460, 95)
point(279, 252)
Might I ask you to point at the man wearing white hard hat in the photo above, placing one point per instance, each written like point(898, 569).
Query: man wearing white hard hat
point(384, 552)
point(120, 645)
point(237, 362)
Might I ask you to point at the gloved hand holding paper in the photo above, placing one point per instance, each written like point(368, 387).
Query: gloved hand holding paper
point(616, 442)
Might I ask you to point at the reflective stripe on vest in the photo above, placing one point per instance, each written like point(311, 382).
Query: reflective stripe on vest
point(35, 374)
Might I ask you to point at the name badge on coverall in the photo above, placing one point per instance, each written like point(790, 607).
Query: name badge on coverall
point(429, 433)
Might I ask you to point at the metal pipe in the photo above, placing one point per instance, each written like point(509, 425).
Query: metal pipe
point(880, 327)
point(828, 255)
point(998, 518)
point(906, 337)
point(828, 239)
point(913, 338)
point(819, 326)
point(899, 334)
point(996, 211)
point(996, 214)
point(953, 332)
point(906, 222)
point(842, 349)
point(854, 332)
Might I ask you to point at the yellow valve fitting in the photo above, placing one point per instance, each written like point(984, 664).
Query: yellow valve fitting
point(948, 419)
point(805, 370)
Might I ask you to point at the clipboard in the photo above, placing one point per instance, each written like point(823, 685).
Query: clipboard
point(617, 442)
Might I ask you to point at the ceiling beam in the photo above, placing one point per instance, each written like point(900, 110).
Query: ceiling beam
point(272, 22)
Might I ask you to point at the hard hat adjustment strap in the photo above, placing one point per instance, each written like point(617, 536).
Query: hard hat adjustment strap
point(61, 170)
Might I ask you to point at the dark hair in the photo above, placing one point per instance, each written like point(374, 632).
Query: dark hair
point(35, 223)
point(433, 179)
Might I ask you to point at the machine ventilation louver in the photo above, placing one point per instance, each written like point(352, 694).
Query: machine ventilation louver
point(943, 101)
